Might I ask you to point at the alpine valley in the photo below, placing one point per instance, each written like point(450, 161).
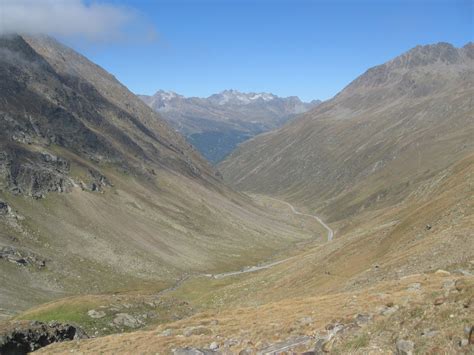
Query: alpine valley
point(342, 227)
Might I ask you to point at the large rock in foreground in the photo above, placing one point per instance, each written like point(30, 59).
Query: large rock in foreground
point(24, 337)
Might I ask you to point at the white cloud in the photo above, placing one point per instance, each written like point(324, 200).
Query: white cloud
point(92, 20)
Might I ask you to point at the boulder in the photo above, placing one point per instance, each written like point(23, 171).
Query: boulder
point(361, 319)
point(97, 182)
point(25, 337)
point(306, 320)
point(429, 333)
point(389, 310)
point(5, 209)
point(416, 286)
point(125, 319)
point(96, 314)
point(405, 347)
point(167, 333)
point(200, 330)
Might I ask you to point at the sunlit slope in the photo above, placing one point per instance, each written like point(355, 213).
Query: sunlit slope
point(383, 268)
point(396, 126)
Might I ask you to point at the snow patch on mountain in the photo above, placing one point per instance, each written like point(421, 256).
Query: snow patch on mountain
point(237, 97)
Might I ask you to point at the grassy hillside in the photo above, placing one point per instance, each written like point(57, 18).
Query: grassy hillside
point(98, 194)
point(378, 281)
point(392, 129)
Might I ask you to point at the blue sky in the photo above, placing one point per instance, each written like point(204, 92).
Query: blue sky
point(311, 49)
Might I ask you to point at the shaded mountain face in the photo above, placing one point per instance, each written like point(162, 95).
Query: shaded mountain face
point(98, 193)
point(80, 107)
point(392, 129)
point(217, 124)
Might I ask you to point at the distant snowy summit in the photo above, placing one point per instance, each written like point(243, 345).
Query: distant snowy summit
point(218, 123)
point(237, 97)
point(164, 98)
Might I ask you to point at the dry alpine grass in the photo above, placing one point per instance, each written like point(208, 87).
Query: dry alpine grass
point(254, 328)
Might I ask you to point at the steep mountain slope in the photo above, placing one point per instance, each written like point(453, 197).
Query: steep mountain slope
point(217, 124)
point(390, 161)
point(393, 128)
point(376, 284)
point(98, 194)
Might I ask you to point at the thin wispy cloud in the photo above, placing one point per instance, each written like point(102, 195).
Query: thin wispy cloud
point(92, 20)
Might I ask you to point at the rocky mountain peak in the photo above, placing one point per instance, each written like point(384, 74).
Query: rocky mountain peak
point(166, 95)
point(440, 52)
point(239, 98)
point(406, 70)
point(162, 99)
point(469, 50)
point(217, 124)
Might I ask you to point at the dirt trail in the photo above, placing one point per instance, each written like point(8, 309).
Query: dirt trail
point(293, 209)
point(269, 265)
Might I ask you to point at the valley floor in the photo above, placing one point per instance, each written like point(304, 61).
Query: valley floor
point(329, 296)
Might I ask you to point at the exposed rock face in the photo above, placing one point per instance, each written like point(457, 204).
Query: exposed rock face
point(22, 338)
point(21, 258)
point(78, 107)
point(34, 174)
point(96, 182)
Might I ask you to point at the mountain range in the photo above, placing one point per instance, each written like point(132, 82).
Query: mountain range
point(217, 124)
point(349, 229)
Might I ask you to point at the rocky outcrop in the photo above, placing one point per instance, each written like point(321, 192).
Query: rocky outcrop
point(80, 109)
point(5, 209)
point(96, 183)
point(21, 258)
point(24, 337)
point(126, 320)
point(34, 174)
